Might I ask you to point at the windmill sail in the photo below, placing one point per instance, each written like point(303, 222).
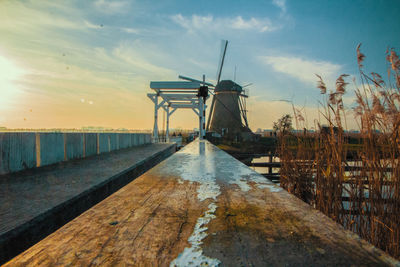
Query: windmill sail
point(224, 46)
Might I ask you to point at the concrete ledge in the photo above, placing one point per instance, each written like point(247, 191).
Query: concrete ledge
point(24, 235)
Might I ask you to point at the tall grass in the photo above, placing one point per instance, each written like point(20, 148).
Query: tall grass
point(362, 194)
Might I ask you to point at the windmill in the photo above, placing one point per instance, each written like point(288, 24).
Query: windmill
point(227, 115)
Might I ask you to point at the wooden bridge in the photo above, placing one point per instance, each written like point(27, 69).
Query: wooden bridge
point(202, 207)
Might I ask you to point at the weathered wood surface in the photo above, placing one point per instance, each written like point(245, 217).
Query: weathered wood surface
point(202, 207)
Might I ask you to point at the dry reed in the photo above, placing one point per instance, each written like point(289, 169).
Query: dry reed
point(357, 186)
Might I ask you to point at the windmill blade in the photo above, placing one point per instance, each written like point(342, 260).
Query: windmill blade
point(224, 45)
point(247, 85)
point(242, 105)
point(210, 113)
point(194, 80)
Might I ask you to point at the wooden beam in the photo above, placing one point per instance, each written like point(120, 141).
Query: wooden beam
point(174, 85)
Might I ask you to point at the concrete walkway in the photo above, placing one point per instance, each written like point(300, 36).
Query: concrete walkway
point(201, 207)
point(36, 202)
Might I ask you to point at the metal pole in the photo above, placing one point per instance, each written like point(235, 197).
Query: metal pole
point(155, 128)
point(167, 130)
point(201, 109)
point(204, 120)
point(202, 114)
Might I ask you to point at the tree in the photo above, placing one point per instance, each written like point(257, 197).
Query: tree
point(284, 124)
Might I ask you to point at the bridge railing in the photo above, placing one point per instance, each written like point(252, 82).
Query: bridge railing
point(173, 139)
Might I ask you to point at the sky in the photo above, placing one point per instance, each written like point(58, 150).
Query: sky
point(71, 64)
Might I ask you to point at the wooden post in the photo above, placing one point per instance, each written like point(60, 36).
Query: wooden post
point(270, 161)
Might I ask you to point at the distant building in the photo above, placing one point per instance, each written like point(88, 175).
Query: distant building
point(265, 132)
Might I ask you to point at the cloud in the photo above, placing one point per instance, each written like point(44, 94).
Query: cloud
point(30, 18)
point(253, 23)
point(280, 4)
point(303, 69)
point(91, 25)
point(112, 7)
point(130, 30)
point(196, 23)
point(141, 57)
point(35, 19)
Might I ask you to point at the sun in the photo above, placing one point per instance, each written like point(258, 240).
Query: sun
point(10, 74)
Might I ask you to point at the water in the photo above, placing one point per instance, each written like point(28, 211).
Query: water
point(263, 170)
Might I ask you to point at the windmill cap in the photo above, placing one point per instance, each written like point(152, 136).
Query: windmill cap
point(228, 85)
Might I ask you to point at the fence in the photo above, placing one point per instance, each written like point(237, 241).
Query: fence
point(24, 150)
point(172, 139)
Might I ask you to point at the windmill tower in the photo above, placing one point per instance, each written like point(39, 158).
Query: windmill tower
point(227, 115)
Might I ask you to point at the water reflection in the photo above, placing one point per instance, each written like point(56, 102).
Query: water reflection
point(202, 148)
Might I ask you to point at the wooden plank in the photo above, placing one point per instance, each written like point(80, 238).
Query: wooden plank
point(265, 164)
point(271, 174)
point(310, 165)
point(252, 155)
point(202, 207)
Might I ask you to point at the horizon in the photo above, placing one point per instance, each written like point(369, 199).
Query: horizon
point(67, 65)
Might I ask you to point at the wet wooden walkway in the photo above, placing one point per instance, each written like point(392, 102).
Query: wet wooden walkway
point(201, 207)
